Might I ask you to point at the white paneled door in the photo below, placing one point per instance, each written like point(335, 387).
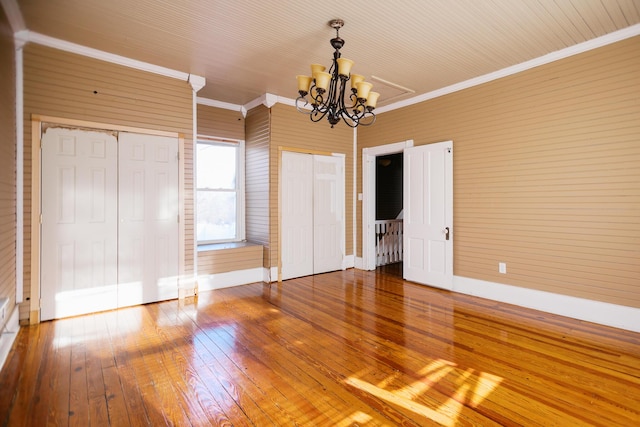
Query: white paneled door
point(328, 213)
point(109, 221)
point(297, 214)
point(148, 215)
point(312, 221)
point(79, 222)
point(428, 214)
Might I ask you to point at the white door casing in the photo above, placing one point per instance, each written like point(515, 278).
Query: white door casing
point(148, 230)
point(428, 214)
point(79, 222)
point(369, 197)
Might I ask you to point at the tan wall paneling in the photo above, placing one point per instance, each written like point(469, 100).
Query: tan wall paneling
point(229, 259)
point(289, 128)
point(7, 165)
point(257, 179)
point(546, 174)
point(61, 84)
point(220, 123)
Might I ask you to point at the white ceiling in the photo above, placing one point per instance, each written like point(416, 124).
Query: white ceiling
point(246, 48)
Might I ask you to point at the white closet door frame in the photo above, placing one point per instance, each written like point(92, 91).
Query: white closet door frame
point(37, 122)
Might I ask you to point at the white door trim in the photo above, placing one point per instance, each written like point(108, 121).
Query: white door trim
point(369, 197)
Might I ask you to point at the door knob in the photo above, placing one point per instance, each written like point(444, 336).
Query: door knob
point(446, 233)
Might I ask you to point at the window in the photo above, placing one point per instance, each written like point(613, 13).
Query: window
point(219, 191)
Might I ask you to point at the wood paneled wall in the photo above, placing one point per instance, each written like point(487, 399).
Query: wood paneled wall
point(257, 179)
point(229, 259)
point(546, 173)
point(7, 165)
point(290, 129)
point(62, 84)
point(220, 123)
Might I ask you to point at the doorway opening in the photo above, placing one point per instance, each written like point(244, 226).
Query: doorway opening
point(389, 210)
point(372, 158)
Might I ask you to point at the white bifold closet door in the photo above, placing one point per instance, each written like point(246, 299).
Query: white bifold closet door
point(312, 220)
point(109, 234)
point(148, 215)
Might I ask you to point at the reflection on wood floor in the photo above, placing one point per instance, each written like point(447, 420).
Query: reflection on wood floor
point(349, 348)
point(394, 269)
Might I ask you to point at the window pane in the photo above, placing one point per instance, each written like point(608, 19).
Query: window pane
point(216, 166)
point(216, 215)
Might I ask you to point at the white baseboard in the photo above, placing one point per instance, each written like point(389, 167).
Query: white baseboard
point(359, 263)
point(617, 316)
point(9, 334)
point(209, 282)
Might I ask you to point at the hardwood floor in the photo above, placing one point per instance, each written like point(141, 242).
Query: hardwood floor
point(348, 348)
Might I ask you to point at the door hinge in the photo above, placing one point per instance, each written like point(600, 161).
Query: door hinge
point(41, 219)
point(178, 218)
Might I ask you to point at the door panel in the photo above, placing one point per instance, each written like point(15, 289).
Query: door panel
point(297, 214)
point(79, 222)
point(148, 212)
point(428, 212)
point(328, 213)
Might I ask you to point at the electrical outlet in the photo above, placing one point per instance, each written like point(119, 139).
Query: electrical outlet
point(502, 267)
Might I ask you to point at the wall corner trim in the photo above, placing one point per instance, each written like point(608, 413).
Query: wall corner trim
point(617, 316)
point(196, 82)
point(20, 38)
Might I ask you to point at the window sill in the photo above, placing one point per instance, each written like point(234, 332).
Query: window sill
point(226, 245)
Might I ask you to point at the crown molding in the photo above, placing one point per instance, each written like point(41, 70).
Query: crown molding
point(586, 46)
point(218, 104)
point(197, 82)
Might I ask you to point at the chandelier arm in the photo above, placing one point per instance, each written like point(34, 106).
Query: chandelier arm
point(344, 112)
point(300, 110)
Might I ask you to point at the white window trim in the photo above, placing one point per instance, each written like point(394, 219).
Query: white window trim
point(240, 187)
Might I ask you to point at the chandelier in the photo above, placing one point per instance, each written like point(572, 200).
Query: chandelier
point(327, 91)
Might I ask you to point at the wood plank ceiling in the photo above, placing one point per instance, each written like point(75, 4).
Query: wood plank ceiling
point(245, 48)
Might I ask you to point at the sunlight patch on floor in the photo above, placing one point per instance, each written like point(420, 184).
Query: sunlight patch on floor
point(472, 387)
point(357, 418)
